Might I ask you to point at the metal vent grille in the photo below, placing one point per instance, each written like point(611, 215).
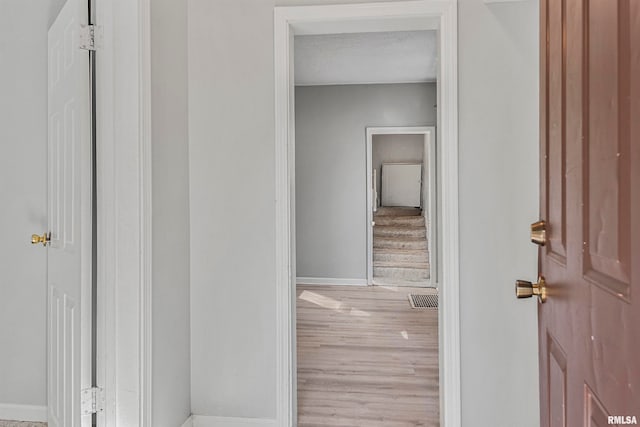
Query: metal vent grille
point(423, 301)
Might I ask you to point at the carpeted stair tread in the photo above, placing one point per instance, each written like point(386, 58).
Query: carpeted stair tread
point(398, 211)
point(404, 273)
point(399, 227)
point(384, 281)
point(398, 220)
point(400, 255)
point(400, 250)
point(422, 252)
point(391, 231)
point(399, 243)
point(402, 264)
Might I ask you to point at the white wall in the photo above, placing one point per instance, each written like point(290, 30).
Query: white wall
point(498, 94)
point(232, 202)
point(23, 169)
point(406, 148)
point(232, 175)
point(170, 206)
point(52, 7)
point(331, 206)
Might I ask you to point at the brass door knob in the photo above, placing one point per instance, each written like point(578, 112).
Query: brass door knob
point(539, 233)
point(44, 239)
point(526, 289)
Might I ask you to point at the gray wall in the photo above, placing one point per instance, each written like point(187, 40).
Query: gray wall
point(232, 203)
point(331, 206)
point(23, 191)
point(170, 205)
point(397, 149)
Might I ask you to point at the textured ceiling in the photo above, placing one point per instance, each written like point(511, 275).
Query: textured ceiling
point(359, 58)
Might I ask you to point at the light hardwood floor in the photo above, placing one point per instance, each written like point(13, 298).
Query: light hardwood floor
point(365, 358)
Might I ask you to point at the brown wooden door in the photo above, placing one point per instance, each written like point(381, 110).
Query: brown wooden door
point(589, 328)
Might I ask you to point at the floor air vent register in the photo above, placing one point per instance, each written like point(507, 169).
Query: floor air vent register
point(421, 301)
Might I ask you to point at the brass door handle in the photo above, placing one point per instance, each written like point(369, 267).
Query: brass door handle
point(45, 239)
point(526, 289)
point(539, 233)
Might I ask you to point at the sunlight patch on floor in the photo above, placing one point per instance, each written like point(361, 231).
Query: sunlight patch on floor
point(332, 304)
point(320, 300)
point(359, 313)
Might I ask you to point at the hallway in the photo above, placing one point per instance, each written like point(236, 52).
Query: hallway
point(366, 358)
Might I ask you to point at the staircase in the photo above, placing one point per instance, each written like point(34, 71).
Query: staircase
point(400, 251)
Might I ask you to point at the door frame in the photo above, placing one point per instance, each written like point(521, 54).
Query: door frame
point(366, 17)
point(123, 173)
point(429, 161)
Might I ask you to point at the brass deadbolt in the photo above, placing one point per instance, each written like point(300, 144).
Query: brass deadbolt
point(539, 233)
point(44, 239)
point(525, 289)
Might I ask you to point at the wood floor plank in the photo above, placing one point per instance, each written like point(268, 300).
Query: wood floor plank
point(366, 358)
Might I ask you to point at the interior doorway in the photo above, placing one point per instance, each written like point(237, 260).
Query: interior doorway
point(355, 340)
point(358, 19)
point(402, 247)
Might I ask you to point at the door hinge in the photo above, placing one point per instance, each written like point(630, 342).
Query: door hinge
point(90, 37)
point(92, 400)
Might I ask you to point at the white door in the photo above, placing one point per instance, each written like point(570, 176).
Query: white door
point(401, 184)
point(69, 205)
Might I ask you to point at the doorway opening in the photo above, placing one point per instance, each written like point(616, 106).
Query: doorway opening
point(402, 206)
point(355, 340)
point(350, 19)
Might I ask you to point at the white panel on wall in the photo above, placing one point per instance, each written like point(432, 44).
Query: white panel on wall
point(401, 184)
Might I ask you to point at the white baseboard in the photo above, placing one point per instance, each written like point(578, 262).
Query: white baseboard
point(207, 421)
point(330, 281)
point(189, 422)
point(14, 412)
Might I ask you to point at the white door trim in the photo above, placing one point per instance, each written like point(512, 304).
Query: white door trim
point(124, 212)
point(421, 14)
point(430, 152)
